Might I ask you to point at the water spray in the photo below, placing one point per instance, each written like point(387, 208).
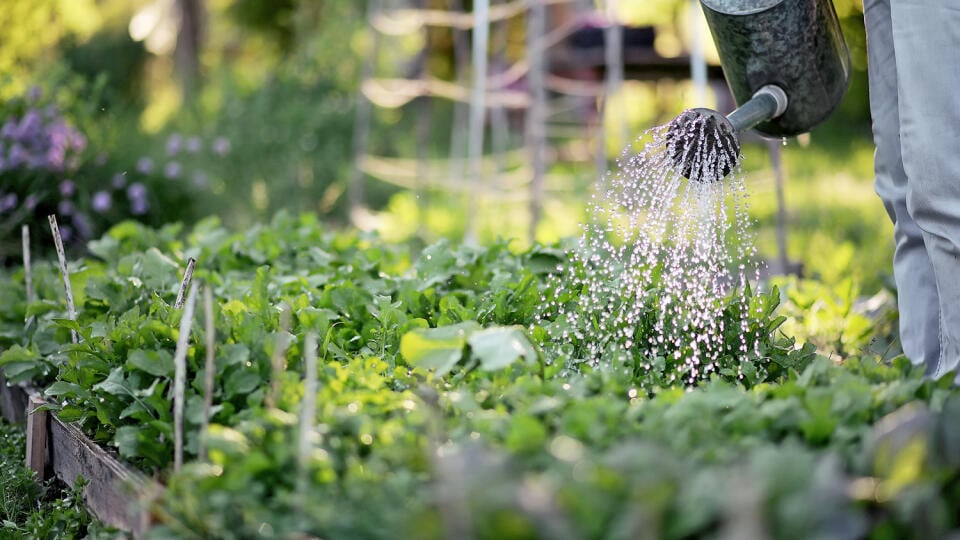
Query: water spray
point(786, 64)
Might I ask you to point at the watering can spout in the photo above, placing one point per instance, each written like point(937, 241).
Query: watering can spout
point(704, 145)
point(787, 66)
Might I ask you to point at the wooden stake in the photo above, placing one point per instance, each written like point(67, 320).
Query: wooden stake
point(180, 376)
point(62, 257)
point(185, 284)
point(37, 436)
point(27, 272)
point(476, 120)
point(307, 407)
point(536, 133)
point(208, 368)
point(278, 362)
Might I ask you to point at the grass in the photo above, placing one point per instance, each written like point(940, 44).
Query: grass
point(32, 509)
point(836, 224)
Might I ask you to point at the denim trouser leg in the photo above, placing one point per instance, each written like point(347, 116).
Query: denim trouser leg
point(913, 51)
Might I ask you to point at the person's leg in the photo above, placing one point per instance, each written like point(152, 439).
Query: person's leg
point(913, 272)
point(926, 36)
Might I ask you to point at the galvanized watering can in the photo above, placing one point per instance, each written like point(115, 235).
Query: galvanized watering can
point(787, 66)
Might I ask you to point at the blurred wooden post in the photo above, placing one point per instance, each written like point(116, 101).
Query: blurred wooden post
point(499, 128)
point(461, 59)
point(698, 62)
point(37, 436)
point(773, 145)
point(423, 106)
point(477, 120)
point(362, 118)
point(537, 113)
point(189, 39)
point(613, 58)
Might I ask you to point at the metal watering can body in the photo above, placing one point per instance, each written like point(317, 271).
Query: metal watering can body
point(795, 45)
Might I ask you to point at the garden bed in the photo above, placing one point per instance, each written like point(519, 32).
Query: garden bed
point(112, 491)
point(361, 392)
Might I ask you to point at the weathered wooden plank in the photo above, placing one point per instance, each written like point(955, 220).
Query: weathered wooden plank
point(13, 402)
point(37, 436)
point(118, 495)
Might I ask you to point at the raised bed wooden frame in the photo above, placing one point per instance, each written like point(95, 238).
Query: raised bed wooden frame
point(115, 493)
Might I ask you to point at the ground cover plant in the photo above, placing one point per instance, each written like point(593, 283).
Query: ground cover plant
point(32, 509)
point(443, 408)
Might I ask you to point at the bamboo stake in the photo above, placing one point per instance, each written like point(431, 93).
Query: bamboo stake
point(278, 360)
point(62, 258)
point(613, 57)
point(27, 272)
point(476, 121)
point(537, 113)
point(363, 117)
point(180, 376)
point(307, 408)
point(185, 284)
point(208, 367)
point(461, 58)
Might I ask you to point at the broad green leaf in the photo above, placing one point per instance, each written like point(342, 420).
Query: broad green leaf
point(126, 441)
point(114, 383)
point(71, 413)
point(242, 381)
point(42, 306)
point(437, 348)
point(17, 372)
point(156, 363)
point(526, 434)
point(234, 354)
point(60, 388)
point(500, 346)
point(18, 353)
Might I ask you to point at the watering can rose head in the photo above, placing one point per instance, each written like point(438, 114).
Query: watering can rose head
point(702, 145)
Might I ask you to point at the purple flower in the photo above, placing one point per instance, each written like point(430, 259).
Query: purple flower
point(193, 145)
point(8, 202)
point(65, 208)
point(30, 202)
point(33, 94)
point(137, 191)
point(119, 180)
point(102, 201)
point(221, 146)
point(174, 144)
point(9, 129)
point(67, 188)
point(145, 165)
point(137, 194)
point(139, 207)
point(31, 124)
point(172, 170)
point(84, 230)
point(18, 156)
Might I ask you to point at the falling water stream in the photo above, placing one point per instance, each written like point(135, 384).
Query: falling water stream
point(660, 259)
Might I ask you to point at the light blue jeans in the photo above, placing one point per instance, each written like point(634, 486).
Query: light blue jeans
point(913, 49)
